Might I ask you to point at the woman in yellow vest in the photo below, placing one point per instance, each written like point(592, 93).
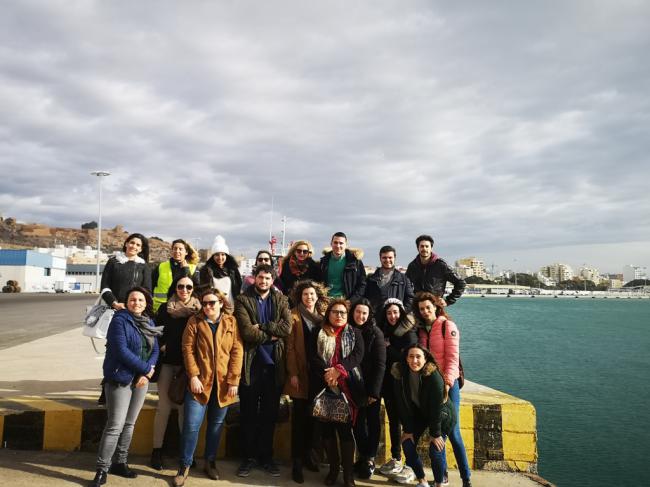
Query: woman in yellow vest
point(182, 263)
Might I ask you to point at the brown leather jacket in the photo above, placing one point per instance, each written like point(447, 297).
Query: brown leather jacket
point(296, 359)
point(202, 360)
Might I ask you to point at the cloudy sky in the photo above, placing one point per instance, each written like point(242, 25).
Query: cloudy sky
point(514, 131)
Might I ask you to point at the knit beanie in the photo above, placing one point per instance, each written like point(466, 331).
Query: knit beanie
point(219, 245)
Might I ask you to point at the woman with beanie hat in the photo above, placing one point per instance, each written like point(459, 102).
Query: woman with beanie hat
point(221, 272)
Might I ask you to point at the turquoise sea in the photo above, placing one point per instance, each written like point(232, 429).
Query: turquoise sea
point(583, 364)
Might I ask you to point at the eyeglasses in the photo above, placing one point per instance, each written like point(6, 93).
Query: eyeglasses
point(180, 287)
point(302, 251)
point(210, 304)
point(340, 312)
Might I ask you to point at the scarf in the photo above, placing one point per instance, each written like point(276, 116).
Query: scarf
point(143, 324)
point(217, 271)
point(402, 327)
point(297, 268)
point(312, 319)
point(177, 309)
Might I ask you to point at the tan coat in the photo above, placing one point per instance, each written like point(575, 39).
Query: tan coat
point(296, 358)
point(202, 360)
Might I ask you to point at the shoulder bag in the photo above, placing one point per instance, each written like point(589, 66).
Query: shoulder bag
point(331, 407)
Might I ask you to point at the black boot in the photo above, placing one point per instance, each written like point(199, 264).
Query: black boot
point(347, 458)
point(310, 461)
point(123, 470)
point(296, 471)
point(332, 449)
point(156, 459)
point(100, 479)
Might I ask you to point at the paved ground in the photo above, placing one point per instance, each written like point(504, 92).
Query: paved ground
point(35, 469)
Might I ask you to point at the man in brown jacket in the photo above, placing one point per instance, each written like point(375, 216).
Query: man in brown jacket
point(264, 322)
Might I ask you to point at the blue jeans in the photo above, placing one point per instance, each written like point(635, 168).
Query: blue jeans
point(455, 439)
point(194, 413)
point(414, 461)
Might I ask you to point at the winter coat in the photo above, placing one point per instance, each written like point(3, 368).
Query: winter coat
point(280, 327)
point(440, 417)
point(297, 364)
point(121, 275)
point(354, 273)
point(399, 337)
point(287, 279)
point(399, 287)
point(208, 271)
point(373, 365)
point(172, 336)
point(446, 350)
point(122, 362)
point(433, 278)
point(205, 355)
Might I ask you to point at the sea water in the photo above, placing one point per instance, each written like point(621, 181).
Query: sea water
point(584, 364)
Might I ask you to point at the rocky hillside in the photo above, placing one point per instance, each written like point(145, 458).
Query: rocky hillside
point(29, 235)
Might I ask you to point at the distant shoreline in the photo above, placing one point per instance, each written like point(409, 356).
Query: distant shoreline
point(555, 296)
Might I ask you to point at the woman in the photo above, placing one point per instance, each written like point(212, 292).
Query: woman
point(421, 402)
point(213, 354)
point(335, 358)
point(440, 335)
point(221, 272)
point(182, 262)
point(298, 264)
point(262, 257)
point(131, 352)
point(172, 315)
point(399, 334)
point(306, 320)
point(126, 270)
point(373, 366)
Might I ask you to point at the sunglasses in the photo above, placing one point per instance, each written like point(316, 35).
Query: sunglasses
point(302, 251)
point(189, 287)
point(211, 304)
point(339, 312)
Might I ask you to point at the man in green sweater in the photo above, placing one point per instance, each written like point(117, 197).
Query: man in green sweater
point(342, 270)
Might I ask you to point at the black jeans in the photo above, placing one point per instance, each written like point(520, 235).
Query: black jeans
point(367, 429)
point(302, 429)
point(259, 403)
point(394, 425)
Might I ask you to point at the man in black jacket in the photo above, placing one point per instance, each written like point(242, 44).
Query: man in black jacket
point(342, 270)
point(428, 272)
point(387, 282)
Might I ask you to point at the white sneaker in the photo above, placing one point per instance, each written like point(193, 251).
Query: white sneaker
point(423, 484)
point(391, 467)
point(406, 476)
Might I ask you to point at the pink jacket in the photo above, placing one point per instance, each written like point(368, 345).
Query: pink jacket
point(445, 350)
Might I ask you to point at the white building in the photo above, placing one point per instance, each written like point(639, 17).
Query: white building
point(558, 272)
point(34, 271)
point(471, 266)
point(547, 281)
point(82, 277)
point(632, 272)
point(590, 274)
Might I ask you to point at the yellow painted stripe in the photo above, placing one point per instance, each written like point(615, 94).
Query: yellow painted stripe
point(519, 423)
point(142, 441)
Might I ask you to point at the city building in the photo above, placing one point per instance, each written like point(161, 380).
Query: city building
point(590, 274)
point(82, 277)
point(557, 271)
point(547, 281)
point(632, 272)
point(471, 266)
point(34, 271)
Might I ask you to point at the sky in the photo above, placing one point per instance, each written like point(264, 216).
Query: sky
point(516, 132)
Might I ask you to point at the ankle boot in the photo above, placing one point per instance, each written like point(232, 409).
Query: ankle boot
point(156, 459)
point(347, 459)
point(100, 479)
point(123, 470)
point(332, 449)
point(296, 471)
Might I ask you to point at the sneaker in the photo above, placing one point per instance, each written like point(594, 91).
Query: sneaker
point(391, 467)
point(424, 484)
point(467, 483)
point(271, 468)
point(366, 469)
point(245, 468)
point(445, 478)
point(405, 476)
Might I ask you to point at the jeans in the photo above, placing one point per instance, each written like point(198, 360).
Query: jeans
point(414, 461)
point(123, 404)
point(259, 403)
point(165, 406)
point(367, 429)
point(455, 439)
point(193, 417)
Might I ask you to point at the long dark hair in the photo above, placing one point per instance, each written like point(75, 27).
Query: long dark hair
point(144, 252)
point(371, 314)
point(148, 310)
point(386, 327)
point(428, 356)
point(172, 289)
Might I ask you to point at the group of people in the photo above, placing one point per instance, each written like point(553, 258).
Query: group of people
point(313, 326)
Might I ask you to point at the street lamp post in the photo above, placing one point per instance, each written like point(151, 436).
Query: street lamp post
point(100, 175)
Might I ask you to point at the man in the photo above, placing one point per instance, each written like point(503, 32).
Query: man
point(430, 273)
point(264, 322)
point(342, 271)
point(387, 282)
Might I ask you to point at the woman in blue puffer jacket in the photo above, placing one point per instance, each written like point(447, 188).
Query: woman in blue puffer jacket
point(131, 354)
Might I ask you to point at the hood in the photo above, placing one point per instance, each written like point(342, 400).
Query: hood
point(396, 370)
point(356, 252)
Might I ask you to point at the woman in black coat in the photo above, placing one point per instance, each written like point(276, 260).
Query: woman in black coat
point(373, 365)
point(298, 264)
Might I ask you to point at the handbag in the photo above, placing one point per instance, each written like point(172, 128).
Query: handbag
point(331, 407)
point(178, 387)
point(98, 317)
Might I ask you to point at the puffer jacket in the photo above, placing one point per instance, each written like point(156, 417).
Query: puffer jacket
point(122, 362)
point(354, 273)
point(399, 287)
point(433, 278)
point(280, 327)
point(205, 355)
point(445, 350)
point(121, 275)
point(440, 417)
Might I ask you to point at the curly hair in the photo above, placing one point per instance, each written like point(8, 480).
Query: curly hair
point(321, 293)
point(437, 301)
point(192, 254)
